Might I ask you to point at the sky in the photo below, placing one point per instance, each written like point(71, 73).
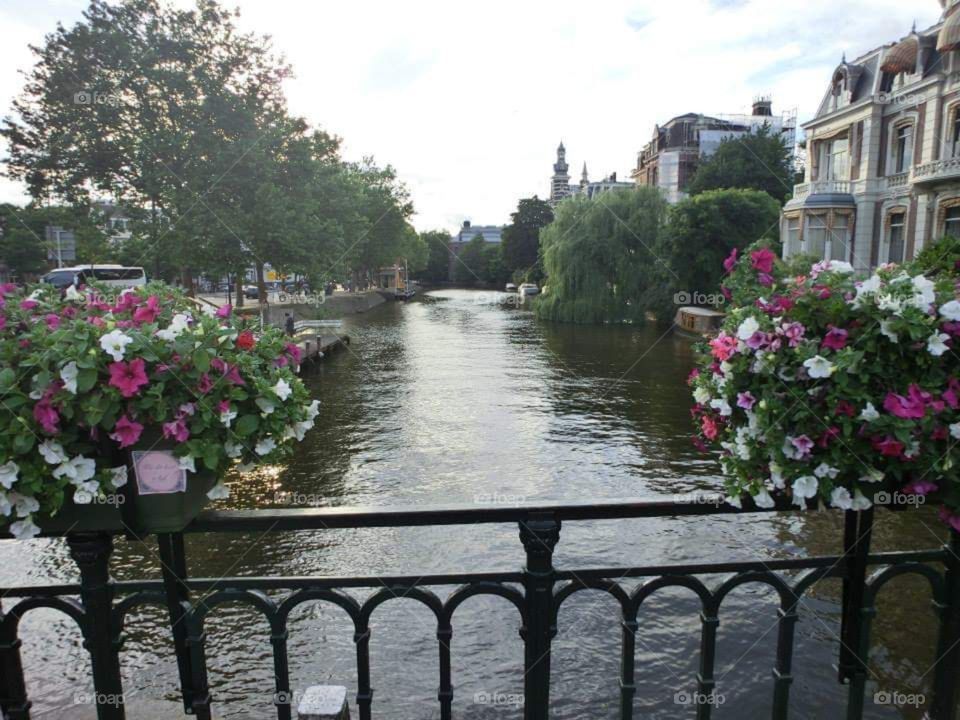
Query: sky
point(468, 101)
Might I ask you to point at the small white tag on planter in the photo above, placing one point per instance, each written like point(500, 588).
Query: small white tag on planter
point(158, 472)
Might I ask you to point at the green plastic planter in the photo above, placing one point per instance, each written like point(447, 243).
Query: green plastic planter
point(128, 511)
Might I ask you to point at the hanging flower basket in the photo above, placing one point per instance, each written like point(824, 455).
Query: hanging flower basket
point(123, 411)
point(826, 388)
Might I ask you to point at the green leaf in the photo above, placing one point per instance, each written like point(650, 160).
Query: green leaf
point(23, 444)
point(86, 379)
point(201, 359)
point(7, 378)
point(211, 457)
point(247, 425)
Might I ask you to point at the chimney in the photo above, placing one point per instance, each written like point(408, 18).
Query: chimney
point(763, 106)
point(466, 224)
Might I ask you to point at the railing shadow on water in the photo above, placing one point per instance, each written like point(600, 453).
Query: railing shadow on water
point(100, 605)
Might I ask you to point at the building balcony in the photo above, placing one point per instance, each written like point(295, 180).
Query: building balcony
point(898, 180)
point(832, 193)
point(936, 171)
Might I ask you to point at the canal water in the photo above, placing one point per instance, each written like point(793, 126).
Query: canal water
point(462, 397)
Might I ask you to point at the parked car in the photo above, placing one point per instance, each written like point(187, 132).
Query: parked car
point(528, 289)
point(251, 292)
point(110, 275)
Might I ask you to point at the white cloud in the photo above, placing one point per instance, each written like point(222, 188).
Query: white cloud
point(469, 101)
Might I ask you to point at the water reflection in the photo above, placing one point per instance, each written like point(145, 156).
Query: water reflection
point(456, 398)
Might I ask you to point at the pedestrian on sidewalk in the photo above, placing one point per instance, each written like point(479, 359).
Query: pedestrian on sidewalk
point(288, 324)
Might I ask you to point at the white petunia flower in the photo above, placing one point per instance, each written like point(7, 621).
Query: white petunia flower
point(860, 502)
point(218, 492)
point(24, 505)
point(188, 463)
point(776, 476)
point(82, 497)
point(721, 406)
point(300, 429)
point(872, 476)
point(950, 311)
point(887, 331)
point(819, 367)
point(114, 344)
point(76, 470)
point(5, 507)
point(282, 389)
point(869, 413)
point(735, 501)
point(925, 295)
point(841, 498)
point(823, 470)
point(955, 431)
point(227, 417)
point(246, 467)
point(24, 529)
point(73, 295)
point(763, 499)
point(266, 405)
point(840, 266)
point(52, 452)
point(265, 446)
point(889, 303)
point(313, 409)
point(118, 476)
point(8, 474)
point(936, 344)
point(178, 325)
point(747, 328)
point(68, 373)
point(803, 488)
point(233, 450)
point(701, 395)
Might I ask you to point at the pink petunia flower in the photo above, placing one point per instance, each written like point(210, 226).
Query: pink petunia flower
point(52, 321)
point(746, 400)
point(126, 431)
point(836, 339)
point(950, 519)
point(128, 377)
point(176, 430)
point(148, 312)
point(293, 350)
point(803, 444)
point(921, 487)
point(723, 347)
point(762, 260)
point(709, 427)
point(224, 311)
point(731, 262)
point(888, 446)
point(911, 407)
point(204, 384)
point(47, 416)
point(28, 304)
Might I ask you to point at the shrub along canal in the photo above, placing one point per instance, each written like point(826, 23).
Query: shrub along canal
point(458, 397)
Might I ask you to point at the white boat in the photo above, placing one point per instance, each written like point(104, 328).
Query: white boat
point(528, 289)
point(510, 288)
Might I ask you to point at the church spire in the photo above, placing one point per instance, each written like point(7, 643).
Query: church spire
point(584, 178)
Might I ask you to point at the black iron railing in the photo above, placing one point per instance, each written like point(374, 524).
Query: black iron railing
point(100, 605)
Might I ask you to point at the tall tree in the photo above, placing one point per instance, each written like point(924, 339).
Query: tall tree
point(521, 238)
point(599, 256)
point(758, 161)
point(437, 268)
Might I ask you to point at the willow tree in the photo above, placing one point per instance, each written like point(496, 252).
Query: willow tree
point(599, 256)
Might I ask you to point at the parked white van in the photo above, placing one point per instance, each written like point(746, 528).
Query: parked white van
point(110, 275)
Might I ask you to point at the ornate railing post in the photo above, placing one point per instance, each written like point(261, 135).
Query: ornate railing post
point(91, 552)
point(14, 704)
point(857, 529)
point(947, 668)
point(539, 535)
point(173, 563)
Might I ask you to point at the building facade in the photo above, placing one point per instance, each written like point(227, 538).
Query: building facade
point(882, 179)
point(468, 231)
point(561, 188)
point(670, 159)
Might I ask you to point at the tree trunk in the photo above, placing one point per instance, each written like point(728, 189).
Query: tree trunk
point(239, 288)
point(261, 285)
point(186, 279)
